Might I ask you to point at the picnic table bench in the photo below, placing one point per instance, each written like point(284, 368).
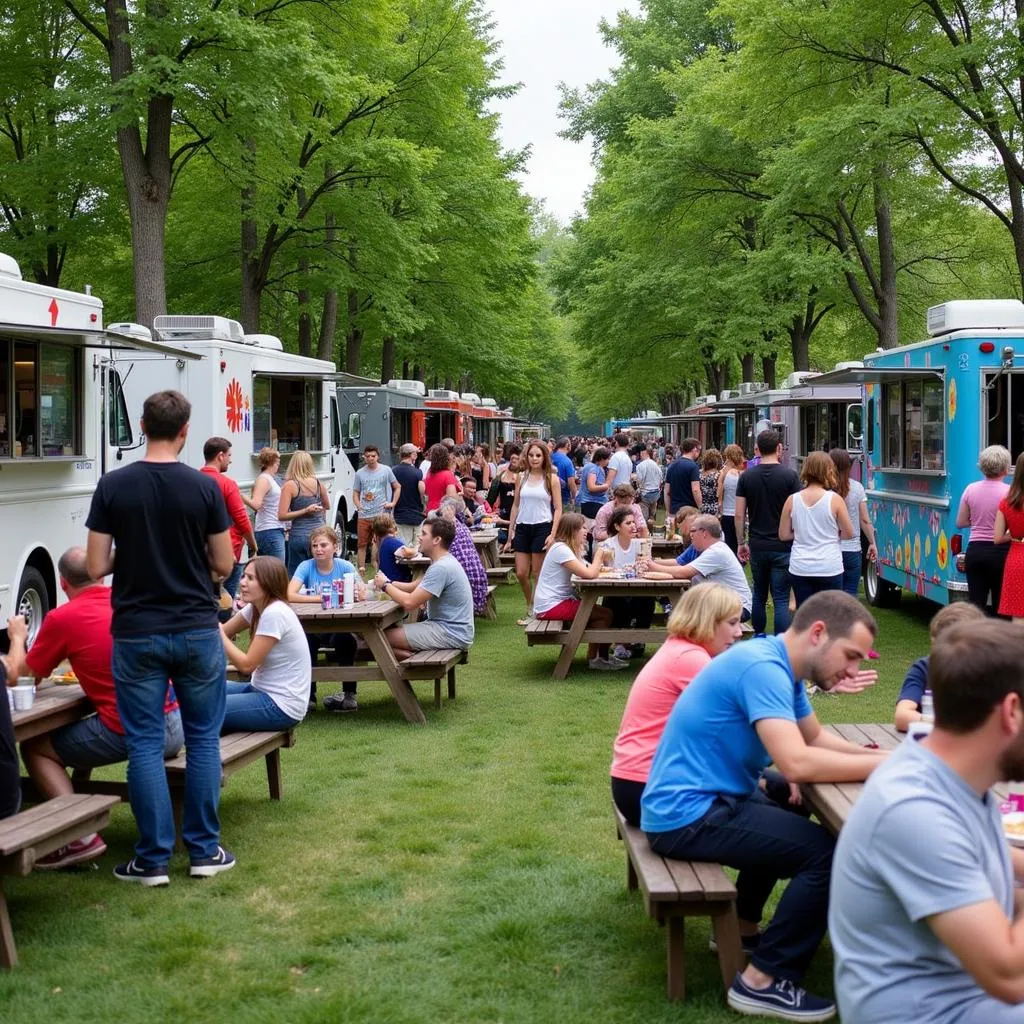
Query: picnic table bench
point(29, 835)
point(501, 574)
point(674, 890)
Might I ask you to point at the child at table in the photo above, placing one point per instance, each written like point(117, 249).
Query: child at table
point(908, 703)
point(389, 548)
point(312, 574)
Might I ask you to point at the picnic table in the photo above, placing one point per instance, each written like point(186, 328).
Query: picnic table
point(662, 547)
point(591, 591)
point(486, 543)
point(368, 619)
point(53, 707)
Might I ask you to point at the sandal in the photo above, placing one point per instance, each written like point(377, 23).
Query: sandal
point(524, 621)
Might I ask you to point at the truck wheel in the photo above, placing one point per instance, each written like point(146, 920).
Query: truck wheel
point(341, 529)
point(33, 600)
point(880, 593)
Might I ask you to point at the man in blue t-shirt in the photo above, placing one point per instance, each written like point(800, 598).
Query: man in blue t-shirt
point(566, 471)
point(745, 710)
point(924, 912)
point(682, 478)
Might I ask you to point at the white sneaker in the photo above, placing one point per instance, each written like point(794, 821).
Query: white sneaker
point(622, 652)
point(603, 665)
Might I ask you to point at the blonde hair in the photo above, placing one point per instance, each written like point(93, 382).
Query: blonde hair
point(383, 526)
point(734, 455)
point(953, 615)
point(301, 467)
point(702, 610)
point(995, 461)
point(325, 531)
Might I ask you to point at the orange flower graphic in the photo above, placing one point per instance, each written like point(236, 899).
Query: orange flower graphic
point(951, 401)
point(235, 406)
point(942, 550)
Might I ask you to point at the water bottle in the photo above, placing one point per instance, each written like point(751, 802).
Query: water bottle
point(928, 707)
point(325, 596)
point(348, 591)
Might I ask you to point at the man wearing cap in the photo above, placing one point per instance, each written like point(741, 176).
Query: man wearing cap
point(408, 511)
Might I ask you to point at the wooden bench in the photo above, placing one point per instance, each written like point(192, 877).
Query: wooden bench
point(545, 631)
point(435, 665)
point(675, 890)
point(507, 558)
point(501, 574)
point(491, 608)
point(31, 834)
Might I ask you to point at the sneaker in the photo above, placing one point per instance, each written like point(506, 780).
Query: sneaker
point(622, 653)
point(781, 999)
point(133, 872)
point(638, 650)
point(77, 852)
point(749, 943)
point(607, 665)
point(341, 702)
point(209, 866)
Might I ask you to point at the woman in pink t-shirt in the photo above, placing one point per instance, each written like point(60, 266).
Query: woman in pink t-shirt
point(985, 561)
point(704, 623)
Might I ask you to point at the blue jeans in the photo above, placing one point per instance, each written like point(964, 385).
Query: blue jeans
point(142, 665)
point(805, 587)
point(90, 744)
point(766, 841)
point(235, 577)
point(250, 710)
point(298, 551)
point(852, 564)
point(271, 542)
point(770, 571)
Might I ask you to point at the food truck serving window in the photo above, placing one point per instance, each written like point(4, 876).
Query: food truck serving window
point(287, 413)
point(40, 399)
point(913, 413)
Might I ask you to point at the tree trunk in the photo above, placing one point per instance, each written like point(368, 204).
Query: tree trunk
point(328, 326)
point(417, 372)
point(747, 366)
point(387, 359)
point(888, 301)
point(768, 369)
point(252, 285)
point(353, 334)
point(449, 384)
point(405, 369)
point(305, 321)
point(800, 344)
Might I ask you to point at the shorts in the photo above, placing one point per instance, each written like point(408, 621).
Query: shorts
point(564, 610)
point(89, 743)
point(364, 532)
point(428, 636)
point(529, 538)
point(409, 533)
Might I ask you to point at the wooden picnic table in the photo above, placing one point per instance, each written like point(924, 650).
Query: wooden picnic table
point(368, 619)
point(661, 547)
point(53, 707)
point(486, 542)
point(591, 591)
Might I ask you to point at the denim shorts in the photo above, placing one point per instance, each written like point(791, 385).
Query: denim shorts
point(89, 743)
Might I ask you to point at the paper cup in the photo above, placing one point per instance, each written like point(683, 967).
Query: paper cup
point(24, 697)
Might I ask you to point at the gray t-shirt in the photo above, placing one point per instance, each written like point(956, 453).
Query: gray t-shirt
point(451, 603)
point(718, 564)
point(918, 842)
point(374, 489)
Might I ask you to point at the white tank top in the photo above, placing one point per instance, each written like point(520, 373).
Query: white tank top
point(266, 516)
point(534, 503)
point(816, 549)
point(729, 494)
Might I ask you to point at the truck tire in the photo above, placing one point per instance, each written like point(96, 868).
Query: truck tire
point(345, 543)
point(880, 593)
point(33, 600)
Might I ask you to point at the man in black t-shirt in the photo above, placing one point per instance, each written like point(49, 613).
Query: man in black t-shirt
point(170, 528)
point(762, 490)
point(682, 478)
point(408, 511)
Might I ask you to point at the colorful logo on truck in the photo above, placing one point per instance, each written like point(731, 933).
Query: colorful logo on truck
point(237, 408)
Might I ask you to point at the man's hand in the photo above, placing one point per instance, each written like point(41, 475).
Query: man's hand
point(743, 553)
point(380, 580)
point(872, 553)
point(389, 504)
point(17, 629)
point(860, 682)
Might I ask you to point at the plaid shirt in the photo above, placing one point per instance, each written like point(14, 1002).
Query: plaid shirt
point(463, 550)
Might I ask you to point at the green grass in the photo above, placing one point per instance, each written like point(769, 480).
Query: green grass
point(464, 872)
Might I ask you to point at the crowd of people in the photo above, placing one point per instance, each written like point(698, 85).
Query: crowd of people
point(716, 738)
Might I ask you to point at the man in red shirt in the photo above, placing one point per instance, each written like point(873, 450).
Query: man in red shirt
point(217, 452)
point(79, 631)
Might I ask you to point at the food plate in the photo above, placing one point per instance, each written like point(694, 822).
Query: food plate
point(1013, 828)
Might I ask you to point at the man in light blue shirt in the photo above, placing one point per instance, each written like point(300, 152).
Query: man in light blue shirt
point(566, 471)
point(375, 490)
point(745, 710)
point(923, 916)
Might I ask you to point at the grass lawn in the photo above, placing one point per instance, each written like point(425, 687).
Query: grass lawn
point(466, 872)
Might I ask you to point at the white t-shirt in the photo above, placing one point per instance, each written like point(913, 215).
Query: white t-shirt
point(854, 496)
point(717, 564)
point(623, 466)
point(648, 475)
point(623, 556)
point(286, 671)
point(554, 584)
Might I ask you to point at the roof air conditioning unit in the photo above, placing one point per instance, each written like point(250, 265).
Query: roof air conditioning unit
point(965, 314)
point(724, 396)
point(749, 387)
point(709, 400)
point(268, 341)
point(130, 330)
point(9, 267)
point(468, 396)
point(489, 403)
point(442, 393)
point(852, 364)
point(410, 387)
point(797, 378)
point(198, 328)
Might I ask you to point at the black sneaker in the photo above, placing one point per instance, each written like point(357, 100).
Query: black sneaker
point(206, 867)
point(341, 702)
point(781, 999)
point(133, 872)
point(748, 942)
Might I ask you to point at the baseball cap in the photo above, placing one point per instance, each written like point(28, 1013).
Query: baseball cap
point(407, 449)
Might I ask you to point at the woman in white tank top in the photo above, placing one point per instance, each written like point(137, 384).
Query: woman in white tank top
point(815, 520)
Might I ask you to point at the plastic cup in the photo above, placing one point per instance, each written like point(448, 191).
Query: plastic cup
point(24, 697)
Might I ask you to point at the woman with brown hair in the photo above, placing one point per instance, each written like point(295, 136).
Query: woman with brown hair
point(533, 522)
point(266, 498)
point(1009, 529)
point(815, 520)
point(440, 482)
point(277, 659)
point(727, 481)
point(304, 502)
point(710, 471)
point(853, 493)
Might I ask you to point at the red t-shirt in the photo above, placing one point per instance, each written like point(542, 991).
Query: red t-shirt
point(80, 632)
point(236, 508)
point(436, 484)
point(652, 697)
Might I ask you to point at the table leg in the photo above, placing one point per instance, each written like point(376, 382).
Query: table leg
point(489, 555)
point(579, 624)
point(392, 672)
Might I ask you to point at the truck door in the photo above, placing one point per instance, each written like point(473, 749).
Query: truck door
point(117, 427)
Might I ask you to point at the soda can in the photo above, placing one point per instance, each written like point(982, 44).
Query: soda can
point(325, 596)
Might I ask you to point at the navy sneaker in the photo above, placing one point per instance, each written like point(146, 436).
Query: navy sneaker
point(134, 872)
point(206, 867)
point(781, 999)
point(748, 942)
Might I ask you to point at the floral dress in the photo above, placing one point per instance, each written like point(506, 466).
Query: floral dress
point(1011, 601)
point(709, 492)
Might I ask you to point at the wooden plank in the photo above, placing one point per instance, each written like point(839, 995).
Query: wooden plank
point(28, 826)
point(851, 732)
point(717, 885)
point(685, 878)
point(345, 673)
